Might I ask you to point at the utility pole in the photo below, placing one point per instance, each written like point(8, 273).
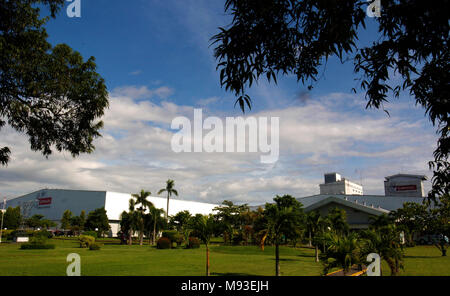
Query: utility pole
point(3, 213)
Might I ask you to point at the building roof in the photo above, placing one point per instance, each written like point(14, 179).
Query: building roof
point(345, 202)
point(387, 203)
point(422, 177)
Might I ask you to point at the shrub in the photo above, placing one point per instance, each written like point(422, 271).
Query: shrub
point(94, 246)
point(86, 241)
point(194, 243)
point(91, 233)
point(164, 243)
point(38, 242)
point(32, 246)
point(174, 236)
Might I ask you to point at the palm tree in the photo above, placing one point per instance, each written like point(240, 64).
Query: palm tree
point(385, 241)
point(155, 221)
point(338, 220)
point(204, 228)
point(313, 223)
point(141, 200)
point(170, 190)
point(129, 221)
point(342, 251)
point(282, 218)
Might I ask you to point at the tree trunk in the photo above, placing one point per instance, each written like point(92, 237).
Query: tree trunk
point(277, 259)
point(310, 239)
point(130, 237)
point(167, 213)
point(316, 253)
point(207, 261)
point(141, 238)
point(154, 232)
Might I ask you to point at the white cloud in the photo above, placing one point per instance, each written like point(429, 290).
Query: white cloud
point(142, 92)
point(135, 153)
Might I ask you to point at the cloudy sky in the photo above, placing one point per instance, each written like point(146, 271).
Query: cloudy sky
point(157, 63)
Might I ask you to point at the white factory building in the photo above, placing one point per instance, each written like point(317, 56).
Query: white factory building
point(51, 203)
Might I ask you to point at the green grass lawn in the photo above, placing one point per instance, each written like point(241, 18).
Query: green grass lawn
point(114, 259)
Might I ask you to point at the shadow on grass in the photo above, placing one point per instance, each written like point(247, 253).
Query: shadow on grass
point(232, 274)
point(306, 255)
point(285, 259)
point(422, 257)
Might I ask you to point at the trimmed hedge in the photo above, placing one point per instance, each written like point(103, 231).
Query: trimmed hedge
point(163, 243)
point(36, 246)
point(37, 243)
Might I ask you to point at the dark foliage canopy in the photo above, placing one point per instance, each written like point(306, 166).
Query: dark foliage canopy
point(47, 92)
point(272, 37)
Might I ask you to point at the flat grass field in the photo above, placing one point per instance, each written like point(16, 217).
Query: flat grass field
point(122, 260)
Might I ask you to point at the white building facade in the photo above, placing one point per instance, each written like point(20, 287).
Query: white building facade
point(51, 203)
point(335, 184)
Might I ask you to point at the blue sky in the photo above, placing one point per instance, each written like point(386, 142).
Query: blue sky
point(157, 64)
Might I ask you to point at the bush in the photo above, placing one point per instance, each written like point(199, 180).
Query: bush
point(86, 241)
point(94, 246)
point(32, 246)
point(37, 243)
point(174, 237)
point(164, 243)
point(91, 233)
point(170, 234)
point(194, 243)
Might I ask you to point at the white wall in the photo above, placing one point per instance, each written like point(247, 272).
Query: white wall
point(117, 202)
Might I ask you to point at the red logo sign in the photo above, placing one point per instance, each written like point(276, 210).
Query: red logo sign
point(405, 188)
point(45, 201)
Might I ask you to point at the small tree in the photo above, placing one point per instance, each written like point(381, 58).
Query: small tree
point(204, 228)
point(12, 218)
point(66, 219)
point(411, 218)
point(34, 221)
point(283, 218)
point(438, 222)
point(98, 219)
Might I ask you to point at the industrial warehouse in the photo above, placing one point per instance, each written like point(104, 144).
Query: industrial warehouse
point(51, 203)
point(334, 192)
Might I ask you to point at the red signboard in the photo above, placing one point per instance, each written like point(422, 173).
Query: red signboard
point(406, 188)
point(45, 201)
